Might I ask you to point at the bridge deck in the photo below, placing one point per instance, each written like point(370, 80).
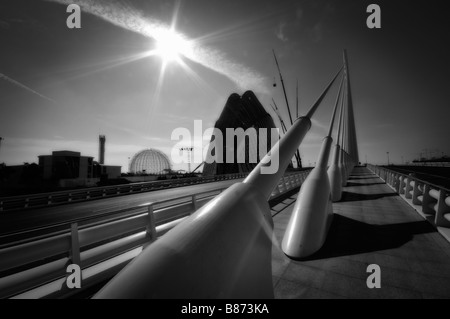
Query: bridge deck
point(372, 225)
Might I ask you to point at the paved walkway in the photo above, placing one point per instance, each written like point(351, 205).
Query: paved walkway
point(372, 225)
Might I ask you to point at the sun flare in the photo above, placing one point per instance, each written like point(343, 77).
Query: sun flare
point(171, 46)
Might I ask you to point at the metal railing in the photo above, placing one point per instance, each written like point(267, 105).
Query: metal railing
point(64, 197)
point(431, 201)
point(430, 164)
point(35, 267)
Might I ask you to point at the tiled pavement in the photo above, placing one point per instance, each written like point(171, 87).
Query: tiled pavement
point(372, 225)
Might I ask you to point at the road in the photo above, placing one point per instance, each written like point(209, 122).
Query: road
point(16, 221)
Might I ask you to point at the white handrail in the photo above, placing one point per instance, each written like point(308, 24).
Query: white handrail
point(432, 199)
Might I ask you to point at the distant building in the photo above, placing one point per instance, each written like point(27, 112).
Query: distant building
point(71, 169)
point(107, 171)
point(66, 165)
point(19, 176)
point(240, 112)
point(101, 150)
point(150, 161)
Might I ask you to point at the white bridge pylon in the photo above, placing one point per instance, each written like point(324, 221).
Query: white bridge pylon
point(223, 250)
point(313, 211)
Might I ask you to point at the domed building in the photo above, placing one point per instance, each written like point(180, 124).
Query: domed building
point(150, 161)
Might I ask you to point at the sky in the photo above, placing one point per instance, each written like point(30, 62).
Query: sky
point(60, 88)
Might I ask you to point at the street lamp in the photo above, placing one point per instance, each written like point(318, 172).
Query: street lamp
point(387, 157)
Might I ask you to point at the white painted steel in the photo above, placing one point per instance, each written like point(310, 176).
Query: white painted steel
point(227, 242)
point(334, 175)
point(220, 265)
point(312, 214)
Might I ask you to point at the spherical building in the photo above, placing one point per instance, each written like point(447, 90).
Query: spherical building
point(150, 161)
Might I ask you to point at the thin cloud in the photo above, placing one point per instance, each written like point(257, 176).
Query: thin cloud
point(128, 18)
point(384, 125)
point(129, 131)
point(280, 32)
point(23, 86)
point(316, 32)
point(299, 13)
point(320, 125)
point(4, 25)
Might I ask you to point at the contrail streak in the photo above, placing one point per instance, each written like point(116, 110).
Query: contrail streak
point(23, 86)
point(128, 18)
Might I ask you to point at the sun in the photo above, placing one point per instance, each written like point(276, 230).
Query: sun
point(171, 46)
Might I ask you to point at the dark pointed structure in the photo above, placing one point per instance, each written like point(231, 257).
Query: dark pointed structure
point(239, 112)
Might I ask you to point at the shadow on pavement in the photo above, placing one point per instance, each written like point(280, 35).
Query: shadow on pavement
point(356, 177)
point(352, 197)
point(349, 184)
point(350, 237)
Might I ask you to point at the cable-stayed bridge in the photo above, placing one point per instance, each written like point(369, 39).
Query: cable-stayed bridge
point(247, 236)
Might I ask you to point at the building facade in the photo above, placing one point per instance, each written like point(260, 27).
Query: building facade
point(72, 169)
point(66, 165)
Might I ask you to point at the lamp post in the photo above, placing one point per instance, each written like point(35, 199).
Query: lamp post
point(387, 158)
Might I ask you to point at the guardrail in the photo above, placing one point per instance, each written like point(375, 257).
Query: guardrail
point(78, 195)
point(430, 164)
point(431, 201)
point(35, 267)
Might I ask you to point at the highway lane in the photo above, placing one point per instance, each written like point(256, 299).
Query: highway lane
point(15, 221)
